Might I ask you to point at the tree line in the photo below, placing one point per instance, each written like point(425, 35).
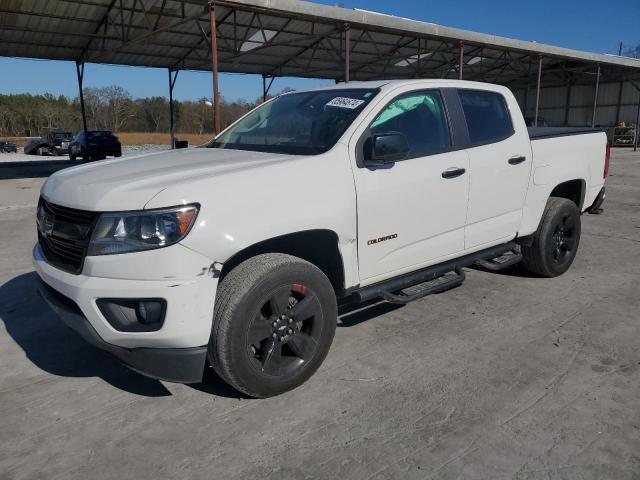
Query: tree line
point(633, 52)
point(111, 108)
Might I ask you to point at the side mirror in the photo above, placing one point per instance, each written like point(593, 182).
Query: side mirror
point(386, 148)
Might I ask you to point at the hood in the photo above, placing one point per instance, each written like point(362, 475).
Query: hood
point(129, 183)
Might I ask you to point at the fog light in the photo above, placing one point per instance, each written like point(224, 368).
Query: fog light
point(150, 311)
point(133, 314)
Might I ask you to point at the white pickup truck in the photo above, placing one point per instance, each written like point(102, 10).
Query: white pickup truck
point(236, 255)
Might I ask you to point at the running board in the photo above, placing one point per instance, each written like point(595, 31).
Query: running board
point(437, 285)
point(397, 284)
point(505, 260)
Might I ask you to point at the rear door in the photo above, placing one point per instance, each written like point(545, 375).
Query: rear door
point(499, 166)
point(409, 214)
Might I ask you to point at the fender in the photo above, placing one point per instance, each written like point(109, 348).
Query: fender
point(288, 195)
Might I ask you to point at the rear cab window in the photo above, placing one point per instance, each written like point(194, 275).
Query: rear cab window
point(487, 115)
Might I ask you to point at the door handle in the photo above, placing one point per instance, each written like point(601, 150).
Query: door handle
point(453, 172)
point(517, 160)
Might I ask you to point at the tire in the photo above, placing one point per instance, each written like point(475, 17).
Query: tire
point(553, 247)
point(258, 298)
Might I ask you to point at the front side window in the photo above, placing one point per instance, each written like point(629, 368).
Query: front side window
point(421, 118)
point(305, 123)
point(487, 115)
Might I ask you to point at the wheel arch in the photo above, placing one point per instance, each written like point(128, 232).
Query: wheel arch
point(574, 190)
point(319, 247)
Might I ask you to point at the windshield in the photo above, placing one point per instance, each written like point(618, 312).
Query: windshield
point(306, 123)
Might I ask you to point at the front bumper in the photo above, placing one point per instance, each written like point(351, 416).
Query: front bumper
point(177, 351)
point(182, 365)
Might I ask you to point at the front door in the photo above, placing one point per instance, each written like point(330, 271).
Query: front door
point(411, 213)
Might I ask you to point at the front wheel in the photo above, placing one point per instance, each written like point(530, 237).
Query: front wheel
point(553, 247)
point(274, 321)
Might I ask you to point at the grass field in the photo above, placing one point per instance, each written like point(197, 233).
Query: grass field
point(142, 138)
point(139, 138)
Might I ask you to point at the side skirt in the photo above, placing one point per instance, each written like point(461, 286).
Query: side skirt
point(387, 288)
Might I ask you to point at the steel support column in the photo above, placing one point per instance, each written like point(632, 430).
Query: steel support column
point(567, 105)
point(461, 60)
point(265, 87)
point(595, 98)
point(637, 135)
point(619, 104)
point(417, 73)
point(535, 121)
point(347, 52)
point(214, 67)
point(80, 74)
point(173, 76)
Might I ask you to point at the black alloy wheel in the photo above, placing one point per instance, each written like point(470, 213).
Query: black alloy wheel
point(282, 337)
point(564, 240)
point(274, 320)
point(550, 251)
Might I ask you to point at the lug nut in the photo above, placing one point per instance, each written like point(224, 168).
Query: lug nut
point(282, 339)
point(275, 335)
point(274, 324)
point(290, 321)
point(290, 332)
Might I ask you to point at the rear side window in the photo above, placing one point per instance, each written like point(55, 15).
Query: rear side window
point(420, 116)
point(487, 115)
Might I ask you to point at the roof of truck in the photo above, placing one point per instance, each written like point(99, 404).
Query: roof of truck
point(389, 84)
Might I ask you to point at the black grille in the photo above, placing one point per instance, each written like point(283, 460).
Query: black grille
point(64, 234)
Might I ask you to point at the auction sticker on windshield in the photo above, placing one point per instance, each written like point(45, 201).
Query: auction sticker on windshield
point(344, 102)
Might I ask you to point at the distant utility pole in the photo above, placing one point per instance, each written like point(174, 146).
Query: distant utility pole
point(620, 49)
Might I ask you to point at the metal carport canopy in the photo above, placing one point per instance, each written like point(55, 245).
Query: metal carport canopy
point(282, 38)
point(276, 38)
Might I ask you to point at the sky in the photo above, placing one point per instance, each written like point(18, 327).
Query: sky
point(589, 25)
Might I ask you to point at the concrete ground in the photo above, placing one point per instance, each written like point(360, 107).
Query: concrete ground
point(506, 377)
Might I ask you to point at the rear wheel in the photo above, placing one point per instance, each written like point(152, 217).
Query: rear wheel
point(553, 247)
point(274, 321)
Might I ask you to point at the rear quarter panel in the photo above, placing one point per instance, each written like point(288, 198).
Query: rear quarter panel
point(560, 159)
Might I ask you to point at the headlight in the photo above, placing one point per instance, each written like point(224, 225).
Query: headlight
point(144, 230)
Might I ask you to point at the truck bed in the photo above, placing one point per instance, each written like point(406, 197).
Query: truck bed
point(538, 133)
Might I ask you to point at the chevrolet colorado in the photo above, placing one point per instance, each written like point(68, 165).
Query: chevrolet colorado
point(237, 254)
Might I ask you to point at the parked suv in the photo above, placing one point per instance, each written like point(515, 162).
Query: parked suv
point(8, 147)
point(95, 145)
point(237, 255)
